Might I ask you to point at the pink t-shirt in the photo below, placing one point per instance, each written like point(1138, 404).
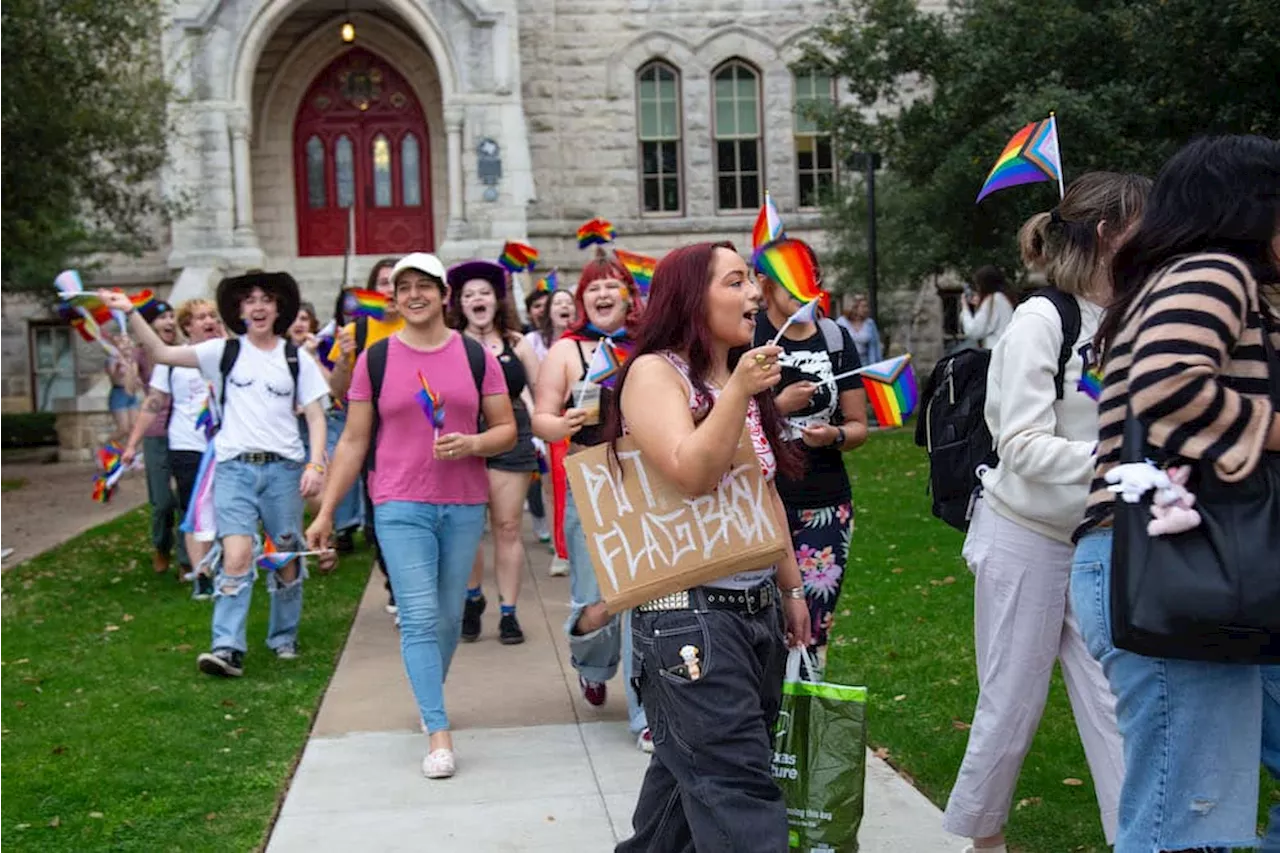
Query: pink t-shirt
point(406, 467)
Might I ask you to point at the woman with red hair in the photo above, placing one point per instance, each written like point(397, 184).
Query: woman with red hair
point(684, 396)
point(568, 407)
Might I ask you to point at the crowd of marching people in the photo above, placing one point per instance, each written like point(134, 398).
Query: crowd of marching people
point(428, 409)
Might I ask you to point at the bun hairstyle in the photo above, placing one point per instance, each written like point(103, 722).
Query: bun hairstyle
point(1063, 243)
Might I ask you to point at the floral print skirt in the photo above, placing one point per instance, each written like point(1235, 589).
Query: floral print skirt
point(821, 539)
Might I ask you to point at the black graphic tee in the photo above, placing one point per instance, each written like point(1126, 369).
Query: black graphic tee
point(825, 482)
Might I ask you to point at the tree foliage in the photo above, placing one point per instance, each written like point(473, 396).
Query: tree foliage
point(939, 95)
point(85, 126)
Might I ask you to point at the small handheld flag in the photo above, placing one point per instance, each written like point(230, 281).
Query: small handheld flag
point(209, 419)
point(807, 313)
point(271, 560)
point(891, 389)
point(431, 402)
point(641, 268)
point(549, 283)
point(768, 225)
point(1031, 156)
point(365, 303)
point(199, 518)
point(518, 257)
point(606, 364)
point(791, 264)
point(1091, 384)
point(595, 231)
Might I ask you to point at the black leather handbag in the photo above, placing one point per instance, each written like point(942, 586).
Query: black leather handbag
point(1211, 593)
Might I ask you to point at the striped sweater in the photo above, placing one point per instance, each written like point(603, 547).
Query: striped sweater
point(1189, 359)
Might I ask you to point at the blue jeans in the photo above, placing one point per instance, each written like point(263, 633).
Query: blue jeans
point(1194, 732)
point(349, 513)
point(246, 494)
point(595, 655)
point(429, 549)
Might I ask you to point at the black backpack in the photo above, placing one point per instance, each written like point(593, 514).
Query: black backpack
point(377, 362)
point(953, 427)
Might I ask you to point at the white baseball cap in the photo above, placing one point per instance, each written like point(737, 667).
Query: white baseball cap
point(423, 262)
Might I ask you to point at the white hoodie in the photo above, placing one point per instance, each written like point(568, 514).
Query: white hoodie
point(1045, 445)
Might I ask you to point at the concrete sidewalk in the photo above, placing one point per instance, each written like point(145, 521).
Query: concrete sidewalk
point(538, 768)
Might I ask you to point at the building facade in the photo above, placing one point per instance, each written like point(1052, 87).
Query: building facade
point(316, 136)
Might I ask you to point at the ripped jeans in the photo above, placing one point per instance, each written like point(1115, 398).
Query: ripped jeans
point(247, 493)
point(1194, 731)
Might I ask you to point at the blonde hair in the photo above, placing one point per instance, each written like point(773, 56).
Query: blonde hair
point(187, 310)
point(1063, 243)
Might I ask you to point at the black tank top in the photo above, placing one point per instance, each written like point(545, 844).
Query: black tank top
point(589, 436)
point(512, 370)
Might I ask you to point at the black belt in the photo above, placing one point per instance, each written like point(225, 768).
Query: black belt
point(714, 598)
point(260, 458)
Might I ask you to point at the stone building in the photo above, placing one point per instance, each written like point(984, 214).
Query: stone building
point(308, 127)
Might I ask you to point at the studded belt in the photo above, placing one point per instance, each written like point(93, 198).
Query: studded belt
point(714, 598)
point(260, 458)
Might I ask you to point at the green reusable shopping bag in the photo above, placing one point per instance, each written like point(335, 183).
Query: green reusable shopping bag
point(819, 760)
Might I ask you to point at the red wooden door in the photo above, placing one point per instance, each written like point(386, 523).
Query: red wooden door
point(360, 143)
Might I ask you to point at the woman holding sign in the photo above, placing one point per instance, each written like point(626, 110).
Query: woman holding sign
point(567, 405)
point(711, 657)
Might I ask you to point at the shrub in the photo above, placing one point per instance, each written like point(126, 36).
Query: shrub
point(28, 429)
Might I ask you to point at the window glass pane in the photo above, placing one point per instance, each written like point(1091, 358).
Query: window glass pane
point(55, 373)
point(652, 200)
point(381, 171)
point(726, 161)
point(726, 120)
point(649, 120)
point(410, 171)
point(727, 188)
point(671, 193)
point(345, 161)
point(807, 196)
point(648, 87)
point(824, 152)
point(667, 86)
point(669, 165)
point(316, 196)
point(750, 192)
point(748, 155)
point(747, 124)
point(724, 84)
point(668, 126)
point(649, 158)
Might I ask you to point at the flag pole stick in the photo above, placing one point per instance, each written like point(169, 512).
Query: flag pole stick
point(778, 337)
point(1057, 139)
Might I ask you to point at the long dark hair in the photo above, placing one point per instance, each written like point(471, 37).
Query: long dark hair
point(548, 326)
point(378, 266)
point(674, 320)
point(505, 322)
point(1218, 194)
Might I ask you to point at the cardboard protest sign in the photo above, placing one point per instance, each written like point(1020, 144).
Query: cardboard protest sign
point(647, 539)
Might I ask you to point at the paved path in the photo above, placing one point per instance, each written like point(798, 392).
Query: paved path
point(55, 505)
point(538, 768)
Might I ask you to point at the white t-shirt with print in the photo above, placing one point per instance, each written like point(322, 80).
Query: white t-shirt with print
point(188, 391)
point(258, 414)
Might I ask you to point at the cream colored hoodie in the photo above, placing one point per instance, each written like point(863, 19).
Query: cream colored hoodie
point(1045, 445)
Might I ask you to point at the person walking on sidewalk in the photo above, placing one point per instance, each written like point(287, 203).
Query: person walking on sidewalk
point(560, 314)
point(263, 470)
point(414, 404)
point(181, 393)
point(1045, 426)
point(153, 432)
point(479, 309)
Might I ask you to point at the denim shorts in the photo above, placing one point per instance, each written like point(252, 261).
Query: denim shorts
point(1193, 731)
point(120, 399)
point(246, 493)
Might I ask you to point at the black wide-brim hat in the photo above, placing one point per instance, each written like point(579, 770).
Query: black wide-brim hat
point(231, 291)
point(490, 271)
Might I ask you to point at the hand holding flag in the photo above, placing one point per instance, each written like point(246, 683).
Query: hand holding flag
point(432, 405)
point(271, 560)
point(891, 389)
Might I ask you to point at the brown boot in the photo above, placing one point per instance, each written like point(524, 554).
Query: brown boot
point(160, 562)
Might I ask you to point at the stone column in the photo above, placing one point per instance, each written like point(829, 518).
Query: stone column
point(242, 172)
point(457, 215)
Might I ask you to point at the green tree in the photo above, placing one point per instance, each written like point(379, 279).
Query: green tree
point(85, 123)
point(939, 95)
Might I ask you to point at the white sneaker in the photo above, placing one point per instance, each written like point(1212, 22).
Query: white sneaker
point(645, 742)
point(438, 764)
point(998, 849)
point(559, 567)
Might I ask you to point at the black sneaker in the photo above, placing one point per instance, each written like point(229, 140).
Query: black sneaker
point(227, 663)
point(204, 588)
point(509, 633)
point(471, 613)
point(345, 542)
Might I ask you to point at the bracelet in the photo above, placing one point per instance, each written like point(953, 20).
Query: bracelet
point(840, 438)
point(316, 466)
point(796, 592)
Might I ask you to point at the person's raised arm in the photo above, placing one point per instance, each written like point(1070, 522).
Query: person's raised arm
point(655, 405)
point(550, 393)
point(160, 352)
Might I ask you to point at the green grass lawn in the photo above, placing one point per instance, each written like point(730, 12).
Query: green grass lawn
point(112, 739)
point(905, 629)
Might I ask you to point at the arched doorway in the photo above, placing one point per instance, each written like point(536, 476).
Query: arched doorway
point(360, 142)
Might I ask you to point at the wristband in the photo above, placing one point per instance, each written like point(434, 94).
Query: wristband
point(316, 466)
point(796, 592)
point(840, 438)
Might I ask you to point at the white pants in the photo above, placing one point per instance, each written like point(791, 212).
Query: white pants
point(1022, 623)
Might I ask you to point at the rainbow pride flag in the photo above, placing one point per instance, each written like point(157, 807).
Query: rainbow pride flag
point(790, 263)
point(595, 231)
point(641, 268)
point(1090, 384)
point(208, 419)
point(271, 560)
point(364, 303)
point(891, 388)
point(607, 363)
point(432, 404)
point(768, 225)
point(549, 283)
point(518, 257)
point(199, 519)
point(1031, 156)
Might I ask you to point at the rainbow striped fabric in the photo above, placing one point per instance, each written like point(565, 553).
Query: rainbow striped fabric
point(891, 388)
point(364, 303)
point(595, 231)
point(199, 519)
point(641, 268)
point(518, 257)
point(1090, 384)
point(272, 560)
point(768, 225)
point(1031, 156)
point(607, 363)
point(548, 283)
point(790, 263)
point(431, 402)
